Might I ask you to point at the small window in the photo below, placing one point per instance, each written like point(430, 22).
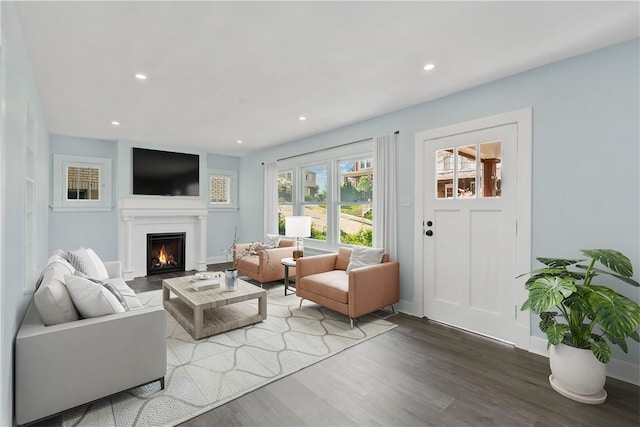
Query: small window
point(223, 190)
point(81, 183)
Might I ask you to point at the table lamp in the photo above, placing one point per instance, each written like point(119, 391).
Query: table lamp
point(298, 227)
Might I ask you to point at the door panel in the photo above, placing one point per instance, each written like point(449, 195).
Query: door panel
point(470, 257)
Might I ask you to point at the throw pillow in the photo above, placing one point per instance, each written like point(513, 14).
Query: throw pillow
point(362, 257)
point(52, 299)
point(91, 299)
point(109, 286)
point(86, 261)
point(272, 240)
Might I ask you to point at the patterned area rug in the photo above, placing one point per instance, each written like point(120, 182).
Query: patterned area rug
point(204, 374)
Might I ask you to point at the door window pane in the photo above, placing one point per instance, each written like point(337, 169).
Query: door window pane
point(491, 173)
point(444, 174)
point(467, 168)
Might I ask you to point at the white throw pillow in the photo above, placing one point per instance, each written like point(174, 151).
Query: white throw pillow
point(86, 261)
point(272, 240)
point(91, 299)
point(362, 257)
point(52, 299)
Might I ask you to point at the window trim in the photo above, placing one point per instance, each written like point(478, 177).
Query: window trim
point(233, 190)
point(331, 157)
point(61, 203)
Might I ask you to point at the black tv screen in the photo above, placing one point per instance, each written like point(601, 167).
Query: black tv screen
point(165, 173)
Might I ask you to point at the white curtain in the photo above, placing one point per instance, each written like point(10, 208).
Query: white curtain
point(384, 195)
point(271, 198)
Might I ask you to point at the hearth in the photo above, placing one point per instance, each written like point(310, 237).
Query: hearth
point(165, 252)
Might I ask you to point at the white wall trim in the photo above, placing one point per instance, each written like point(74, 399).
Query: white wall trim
point(523, 120)
point(137, 217)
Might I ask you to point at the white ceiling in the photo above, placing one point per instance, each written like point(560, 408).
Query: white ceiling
point(223, 71)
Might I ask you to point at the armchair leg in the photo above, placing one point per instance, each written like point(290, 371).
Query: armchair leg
point(351, 319)
point(393, 310)
point(301, 299)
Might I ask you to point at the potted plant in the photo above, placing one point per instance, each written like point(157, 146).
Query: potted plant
point(581, 318)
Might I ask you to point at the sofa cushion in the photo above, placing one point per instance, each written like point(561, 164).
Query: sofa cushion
point(250, 263)
point(342, 261)
point(331, 284)
point(91, 299)
point(86, 261)
point(362, 257)
point(127, 293)
point(52, 299)
point(272, 240)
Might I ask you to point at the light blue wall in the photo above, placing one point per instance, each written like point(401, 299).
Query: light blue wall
point(18, 90)
point(585, 156)
point(95, 230)
point(221, 225)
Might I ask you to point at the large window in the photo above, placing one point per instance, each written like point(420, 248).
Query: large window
point(335, 188)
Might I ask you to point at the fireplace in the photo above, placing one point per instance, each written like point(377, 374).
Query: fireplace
point(165, 252)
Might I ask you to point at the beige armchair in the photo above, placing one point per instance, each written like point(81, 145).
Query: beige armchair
point(266, 266)
point(323, 280)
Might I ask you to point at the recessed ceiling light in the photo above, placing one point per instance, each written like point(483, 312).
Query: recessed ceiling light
point(239, 141)
point(429, 67)
point(302, 118)
point(141, 76)
point(115, 123)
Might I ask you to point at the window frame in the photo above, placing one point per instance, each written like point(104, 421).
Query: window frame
point(232, 205)
point(61, 202)
point(331, 157)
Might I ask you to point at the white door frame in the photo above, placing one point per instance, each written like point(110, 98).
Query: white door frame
point(523, 120)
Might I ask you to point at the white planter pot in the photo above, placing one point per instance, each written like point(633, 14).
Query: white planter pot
point(577, 374)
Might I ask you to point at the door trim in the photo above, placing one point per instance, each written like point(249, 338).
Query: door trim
point(523, 120)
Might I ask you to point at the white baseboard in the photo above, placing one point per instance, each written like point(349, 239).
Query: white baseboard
point(616, 368)
point(410, 308)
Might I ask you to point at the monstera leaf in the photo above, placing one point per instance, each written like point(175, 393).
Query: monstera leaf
point(547, 291)
point(618, 315)
point(613, 260)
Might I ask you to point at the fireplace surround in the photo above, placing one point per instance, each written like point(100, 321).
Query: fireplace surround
point(139, 217)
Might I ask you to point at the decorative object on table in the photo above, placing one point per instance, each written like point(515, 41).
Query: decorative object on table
point(231, 279)
point(578, 352)
point(204, 281)
point(297, 227)
point(231, 274)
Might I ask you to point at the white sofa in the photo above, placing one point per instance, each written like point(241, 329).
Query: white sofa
point(73, 362)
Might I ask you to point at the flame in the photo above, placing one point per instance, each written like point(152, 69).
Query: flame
point(162, 257)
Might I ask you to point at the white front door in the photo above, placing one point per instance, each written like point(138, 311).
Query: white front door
point(470, 230)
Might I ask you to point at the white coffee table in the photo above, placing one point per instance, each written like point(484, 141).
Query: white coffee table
point(212, 311)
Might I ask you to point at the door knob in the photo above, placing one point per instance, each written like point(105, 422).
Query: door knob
point(429, 223)
point(429, 233)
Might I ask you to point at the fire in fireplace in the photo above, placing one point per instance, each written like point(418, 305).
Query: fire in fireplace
point(165, 252)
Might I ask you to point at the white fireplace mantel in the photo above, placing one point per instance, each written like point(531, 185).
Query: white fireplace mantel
point(141, 216)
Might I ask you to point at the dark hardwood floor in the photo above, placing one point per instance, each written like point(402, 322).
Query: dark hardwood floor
point(420, 374)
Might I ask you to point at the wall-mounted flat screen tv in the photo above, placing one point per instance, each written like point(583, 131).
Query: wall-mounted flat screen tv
point(165, 173)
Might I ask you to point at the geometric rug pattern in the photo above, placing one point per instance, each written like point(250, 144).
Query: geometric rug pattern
point(204, 374)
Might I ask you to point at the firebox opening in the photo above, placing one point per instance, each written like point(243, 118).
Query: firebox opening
point(165, 252)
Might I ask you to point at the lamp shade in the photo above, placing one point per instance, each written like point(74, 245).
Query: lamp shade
point(297, 226)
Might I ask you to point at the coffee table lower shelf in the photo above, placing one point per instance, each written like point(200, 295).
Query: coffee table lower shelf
point(216, 319)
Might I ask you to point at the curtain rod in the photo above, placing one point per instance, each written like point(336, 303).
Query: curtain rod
point(325, 149)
